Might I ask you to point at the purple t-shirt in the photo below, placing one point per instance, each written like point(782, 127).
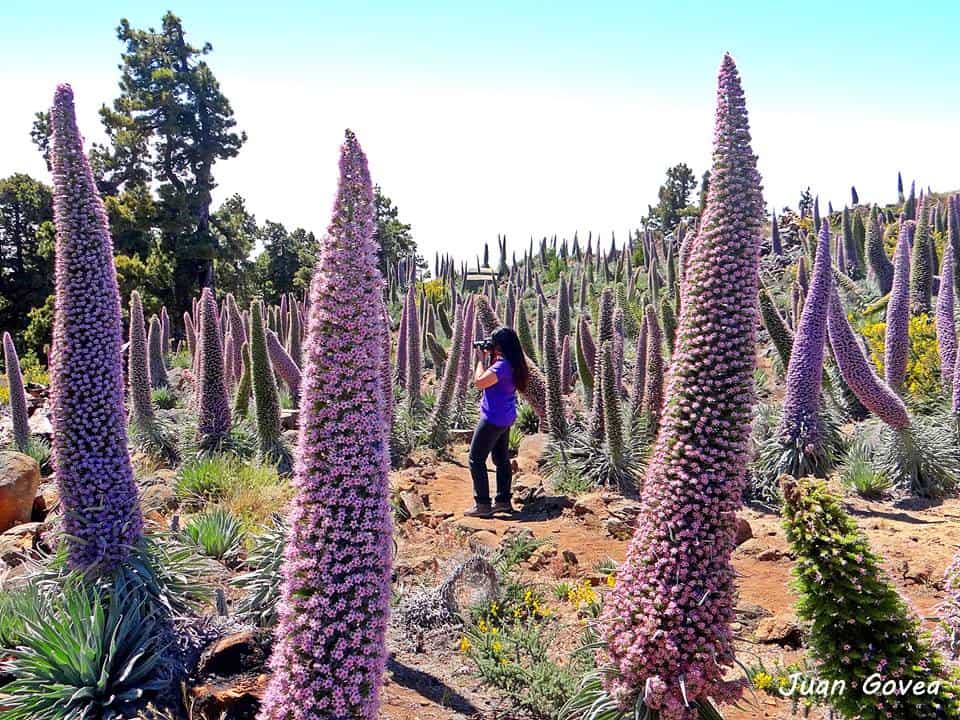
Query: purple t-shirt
point(499, 404)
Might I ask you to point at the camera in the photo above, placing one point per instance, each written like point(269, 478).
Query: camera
point(486, 344)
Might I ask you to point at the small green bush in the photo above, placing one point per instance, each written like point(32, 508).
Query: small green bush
point(859, 624)
point(163, 398)
point(260, 584)
point(217, 533)
point(90, 653)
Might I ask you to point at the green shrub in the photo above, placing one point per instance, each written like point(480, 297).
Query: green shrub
point(39, 449)
point(260, 584)
point(859, 624)
point(218, 533)
point(90, 653)
point(859, 473)
point(181, 359)
point(18, 608)
point(206, 479)
point(527, 421)
point(509, 641)
point(163, 398)
point(514, 439)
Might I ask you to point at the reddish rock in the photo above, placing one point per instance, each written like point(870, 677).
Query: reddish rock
point(744, 531)
point(19, 480)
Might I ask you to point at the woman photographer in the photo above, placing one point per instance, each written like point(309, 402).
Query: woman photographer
point(501, 371)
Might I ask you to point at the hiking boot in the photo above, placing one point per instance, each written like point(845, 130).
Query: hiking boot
point(503, 507)
point(479, 511)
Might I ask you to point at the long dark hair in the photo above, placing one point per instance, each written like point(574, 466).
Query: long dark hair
point(508, 343)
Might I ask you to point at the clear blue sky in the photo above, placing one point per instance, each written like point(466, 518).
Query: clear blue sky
point(525, 118)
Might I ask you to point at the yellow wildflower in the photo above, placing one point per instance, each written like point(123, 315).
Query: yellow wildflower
point(762, 680)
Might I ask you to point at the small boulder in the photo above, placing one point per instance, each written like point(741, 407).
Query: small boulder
point(412, 503)
point(159, 498)
point(530, 451)
point(46, 501)
point(40, 424)
point(782, 629)
point(744, 531)
point(484, 539)
point(19, 480)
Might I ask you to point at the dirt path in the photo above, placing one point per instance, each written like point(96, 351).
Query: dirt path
point(433, 683)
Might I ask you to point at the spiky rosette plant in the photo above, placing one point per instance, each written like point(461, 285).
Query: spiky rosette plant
point(266, 398)
point(859, 626)
point(801, 447)
point(438, 432)
point(879, 267)
point(946, 322)
point(536, 392)
point(158, 370)
point(101, 519)
point(330, 648)
point(149, 432)
point(213, 407)
point(666, 623)
point(18, 397)
point(896, 349)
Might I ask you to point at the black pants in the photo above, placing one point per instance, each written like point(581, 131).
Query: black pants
point(492, 440)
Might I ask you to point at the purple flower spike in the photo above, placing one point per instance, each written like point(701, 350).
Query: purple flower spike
point(101, 518)
point(800, 424)
point(857, 372)
point(18, 398)
point(946, 324)
point(213, 421)
point(284, 365)
point(896, 348)
point(666, 623)
point(330, 644)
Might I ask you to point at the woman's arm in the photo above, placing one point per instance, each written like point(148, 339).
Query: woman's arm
point(483, 377)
